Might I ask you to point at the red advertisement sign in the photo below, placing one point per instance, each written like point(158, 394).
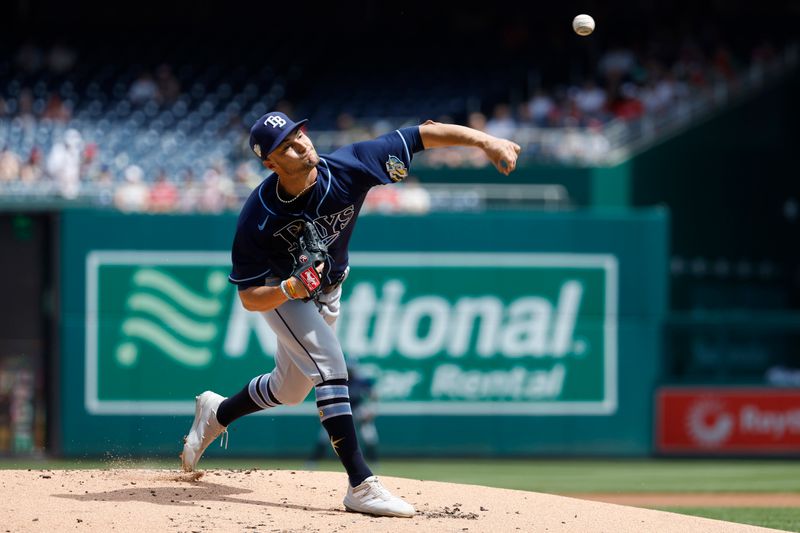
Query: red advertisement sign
point(728, 420)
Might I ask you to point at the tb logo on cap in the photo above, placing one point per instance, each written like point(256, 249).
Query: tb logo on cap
point(275, 121)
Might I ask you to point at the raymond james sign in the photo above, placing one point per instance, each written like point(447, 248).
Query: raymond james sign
point(471, 334)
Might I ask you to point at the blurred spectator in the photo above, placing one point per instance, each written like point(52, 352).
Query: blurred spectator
point(625, 104)
point(64, 163)
point(408, 196)
point(32, 170)
point(133, 194)
point(653, 101)
point(590, 99)
point(143, 89)
point(661, 92)
point(654, 78)
point(105, 177)
point(524, 115)
point(345, 122)
point(244, 181)
point(414, 198)
point(90, 163)
point(617, 63)
point(216, 192)
point(163, 194)
point(690, 65)
point(10, 165)
point(56, 110)
point(382, 199)
point(103, 185)
point(169, 89)
point(350, 131)
point(722, 63)
point(190, 192)
point(502, 123)
point(540, 106)
point(240, 150)
point(25, 110)
point(581, 145)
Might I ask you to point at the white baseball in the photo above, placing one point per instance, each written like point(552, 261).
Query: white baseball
point(583, 25)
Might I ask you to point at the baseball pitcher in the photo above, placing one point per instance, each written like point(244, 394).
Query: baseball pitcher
point(289, 261)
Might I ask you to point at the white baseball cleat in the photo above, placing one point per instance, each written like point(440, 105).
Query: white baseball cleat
point(204, 430)
point(370, 497)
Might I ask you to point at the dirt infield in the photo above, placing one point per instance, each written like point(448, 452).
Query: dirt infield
point(271, 501)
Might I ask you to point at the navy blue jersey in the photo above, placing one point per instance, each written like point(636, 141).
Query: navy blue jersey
point(267, 228)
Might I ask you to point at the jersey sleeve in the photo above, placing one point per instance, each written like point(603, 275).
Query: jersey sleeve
point(250, 268)
point(387, 158)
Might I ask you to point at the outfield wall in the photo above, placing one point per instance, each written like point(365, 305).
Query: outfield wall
point(487, 334)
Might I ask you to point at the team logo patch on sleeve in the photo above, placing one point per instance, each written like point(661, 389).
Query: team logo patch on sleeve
point(396, 168)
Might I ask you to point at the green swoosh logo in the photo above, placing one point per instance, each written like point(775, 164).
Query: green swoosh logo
point(171, 317)
point(156, 335)
point(163, 311)
point(175, 291)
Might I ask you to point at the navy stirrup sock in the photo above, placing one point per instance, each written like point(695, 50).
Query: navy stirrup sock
point(333, 404)
point(254, 397)
point(235, 407)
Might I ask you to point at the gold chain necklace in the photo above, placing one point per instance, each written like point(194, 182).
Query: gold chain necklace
point(278, 194)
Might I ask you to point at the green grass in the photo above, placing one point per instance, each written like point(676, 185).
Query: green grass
point(784, 518)
point(610, 476)
point(543, 475)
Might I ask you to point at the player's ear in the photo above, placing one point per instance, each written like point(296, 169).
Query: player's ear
point(268, 164)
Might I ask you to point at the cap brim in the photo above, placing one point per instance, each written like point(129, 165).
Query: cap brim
point(283, 136)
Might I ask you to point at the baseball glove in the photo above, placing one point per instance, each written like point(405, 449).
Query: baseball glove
point(310, 252)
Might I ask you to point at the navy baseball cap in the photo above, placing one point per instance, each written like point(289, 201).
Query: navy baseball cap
point(269, 131)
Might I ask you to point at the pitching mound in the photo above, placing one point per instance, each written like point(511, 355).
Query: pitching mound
point(268, 501)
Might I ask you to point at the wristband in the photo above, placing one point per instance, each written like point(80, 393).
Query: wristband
point(286, 289)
